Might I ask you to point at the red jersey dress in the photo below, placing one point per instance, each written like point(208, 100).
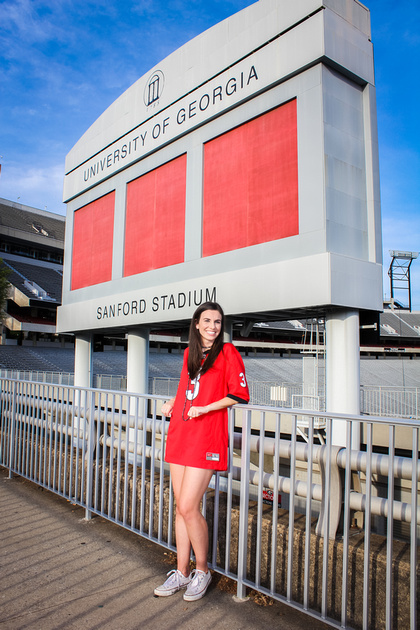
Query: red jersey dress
point(203, 442)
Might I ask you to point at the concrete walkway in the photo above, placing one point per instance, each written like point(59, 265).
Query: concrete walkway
point(59, 571)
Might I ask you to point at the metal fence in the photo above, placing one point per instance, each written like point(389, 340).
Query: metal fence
point(386, 401)
point(391, 402)
point(394, 402)
point(39, 376)
point(293, 519)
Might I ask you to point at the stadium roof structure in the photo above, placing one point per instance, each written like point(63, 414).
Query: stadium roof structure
point(24, 222)
point(396, 328)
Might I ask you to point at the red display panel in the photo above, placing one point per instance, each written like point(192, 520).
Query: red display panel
point(251, 183)
point(155, 218)
point(93, 234)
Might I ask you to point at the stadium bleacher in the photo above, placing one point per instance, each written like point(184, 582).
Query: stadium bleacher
point(399, 323)
point(50, 280)
point(31, 252)
point(37, 358)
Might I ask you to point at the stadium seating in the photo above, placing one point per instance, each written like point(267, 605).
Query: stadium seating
point(387, 372)
point(50, 280)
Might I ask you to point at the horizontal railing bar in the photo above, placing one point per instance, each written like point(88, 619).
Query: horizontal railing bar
point(122, 444)
point(380, 507)
point(390, 401)
point(379, 462)
point(403, 469)
point(406, 422)
point(401, 511)
point(71, 431)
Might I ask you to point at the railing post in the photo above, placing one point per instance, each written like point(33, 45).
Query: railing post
point(243, 508)
point(291, 534)
point(380, 400)
point(390, 531)
point(12, 431)
point(90, 421)
point(413, 531)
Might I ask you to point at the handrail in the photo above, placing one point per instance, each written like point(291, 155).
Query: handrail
point(386, 401)
point(379, 464)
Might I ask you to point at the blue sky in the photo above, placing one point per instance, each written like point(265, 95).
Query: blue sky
point(63, 62)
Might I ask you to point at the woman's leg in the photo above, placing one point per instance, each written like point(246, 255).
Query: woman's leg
point(189, 485)
point(183, 543)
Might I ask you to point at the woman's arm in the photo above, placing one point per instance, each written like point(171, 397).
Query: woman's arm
point(195, 412)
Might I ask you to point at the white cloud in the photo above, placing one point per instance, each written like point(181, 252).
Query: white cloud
point(37, 187)
point(33, 22)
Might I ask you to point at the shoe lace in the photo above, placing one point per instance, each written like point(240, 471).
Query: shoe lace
point(197, 577)
point(173, 576)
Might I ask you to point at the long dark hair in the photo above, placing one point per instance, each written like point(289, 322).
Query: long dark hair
point(195, 355)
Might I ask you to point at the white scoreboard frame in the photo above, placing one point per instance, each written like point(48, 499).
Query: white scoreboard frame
point(319, 53)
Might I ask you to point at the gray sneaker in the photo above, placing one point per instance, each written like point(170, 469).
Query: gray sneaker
point(198, 586)
point(176, 580)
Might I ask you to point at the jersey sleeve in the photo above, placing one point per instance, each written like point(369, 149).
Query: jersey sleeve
point(235, 375)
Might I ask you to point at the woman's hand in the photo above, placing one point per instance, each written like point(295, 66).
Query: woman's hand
point(167, 408)
point(196, 412)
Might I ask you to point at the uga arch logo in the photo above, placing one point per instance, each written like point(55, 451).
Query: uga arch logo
point(154, 88)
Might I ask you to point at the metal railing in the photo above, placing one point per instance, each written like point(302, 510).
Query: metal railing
point(391, 402)
point(39, 376)
point(322, 555)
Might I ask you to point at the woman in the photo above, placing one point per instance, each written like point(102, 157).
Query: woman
point(212, 379)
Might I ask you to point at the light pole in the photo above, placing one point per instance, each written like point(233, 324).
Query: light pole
point(399, 272)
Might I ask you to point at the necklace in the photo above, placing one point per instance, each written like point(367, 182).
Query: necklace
point(193, 381)
point(192, 394)
point(185, 402)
